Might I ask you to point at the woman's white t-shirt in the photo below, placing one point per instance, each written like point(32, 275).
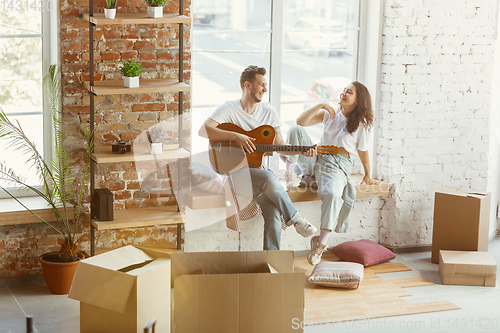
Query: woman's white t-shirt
point(231, 112)
point(335, 133)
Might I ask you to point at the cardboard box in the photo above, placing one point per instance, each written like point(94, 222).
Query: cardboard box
point(236, 292)
point(122, 290)
point(467, 268)
point(461, 221)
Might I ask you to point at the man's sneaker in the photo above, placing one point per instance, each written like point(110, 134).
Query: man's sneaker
point(304, 228)
point(317, 250)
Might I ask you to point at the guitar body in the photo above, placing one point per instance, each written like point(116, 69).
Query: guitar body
point(225, 156)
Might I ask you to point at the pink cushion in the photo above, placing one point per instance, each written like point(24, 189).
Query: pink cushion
point(363, 251)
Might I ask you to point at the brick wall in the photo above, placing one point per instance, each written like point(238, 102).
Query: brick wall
point(435, 108)
point(117, 117)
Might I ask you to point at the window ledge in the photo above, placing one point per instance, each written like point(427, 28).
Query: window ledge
point(197, 199)
point(12, 213)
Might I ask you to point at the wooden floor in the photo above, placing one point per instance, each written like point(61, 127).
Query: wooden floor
point(374, 298)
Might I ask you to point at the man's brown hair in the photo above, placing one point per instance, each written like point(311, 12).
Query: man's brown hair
point(249, 74)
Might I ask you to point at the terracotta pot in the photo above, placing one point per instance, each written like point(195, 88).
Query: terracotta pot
point(58, 275)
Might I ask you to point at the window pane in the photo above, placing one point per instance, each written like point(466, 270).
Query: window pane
point(228, 35)
point(18, 19)
point(319, 53)
point(14, 159)
point(21, 79)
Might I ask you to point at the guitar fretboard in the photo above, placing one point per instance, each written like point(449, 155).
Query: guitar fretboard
point(283, 148)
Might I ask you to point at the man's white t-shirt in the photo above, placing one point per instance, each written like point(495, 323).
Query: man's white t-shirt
point(232, 112)
point(335, 133)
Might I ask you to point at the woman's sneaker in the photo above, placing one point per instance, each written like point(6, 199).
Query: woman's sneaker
point(304, 228)
point(317, 250)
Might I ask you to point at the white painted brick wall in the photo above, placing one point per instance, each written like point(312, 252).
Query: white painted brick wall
point(436, 108)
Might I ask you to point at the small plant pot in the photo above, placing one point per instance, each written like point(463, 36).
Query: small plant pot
point(131, 82)
point(110, 13)
point(155, 12)
point(157, 148)
point(58, 275)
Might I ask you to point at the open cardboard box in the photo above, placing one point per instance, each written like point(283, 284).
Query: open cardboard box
point(467, 268)
point(122, 290)
point(236, 292)
point(461, 221)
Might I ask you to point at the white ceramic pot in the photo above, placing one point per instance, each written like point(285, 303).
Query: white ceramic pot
point(155, 12)
point(157, 148)
point(131, 82)
point(110, 13)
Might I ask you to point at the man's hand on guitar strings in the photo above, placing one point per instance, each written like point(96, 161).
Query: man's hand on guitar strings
point(245, 142)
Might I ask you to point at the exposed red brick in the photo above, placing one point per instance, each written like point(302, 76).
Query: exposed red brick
point(129, 55)
point(133, 185)
point(148, 107)
point(76, 109)
point(130, 34)
point(97, 77)
point(72, 12)
point(119, 45)
point(110, 56)
point(116, 186)
point(144, 45)
point(128, 136)
point(112, 34)
point(69, 57)
point(69, 35)
point(73, 24)
point(165, 56)
point(146, 56)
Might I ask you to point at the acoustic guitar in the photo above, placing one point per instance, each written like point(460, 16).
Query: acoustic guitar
point(225, 156)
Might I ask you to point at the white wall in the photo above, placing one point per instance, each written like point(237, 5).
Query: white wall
point(435, 108)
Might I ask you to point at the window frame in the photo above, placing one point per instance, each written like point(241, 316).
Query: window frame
point(50, 55)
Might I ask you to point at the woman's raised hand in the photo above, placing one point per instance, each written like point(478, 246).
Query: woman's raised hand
point(329, 109)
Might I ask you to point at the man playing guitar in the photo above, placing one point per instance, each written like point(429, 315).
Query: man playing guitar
point(249, 113)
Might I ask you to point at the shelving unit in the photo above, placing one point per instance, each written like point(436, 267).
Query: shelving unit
point(137, 217)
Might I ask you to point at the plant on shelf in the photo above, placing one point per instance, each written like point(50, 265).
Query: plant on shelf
point(155, 8)
point(157, 135)
point(58, 187)
point(110, 10)
point(131, 71)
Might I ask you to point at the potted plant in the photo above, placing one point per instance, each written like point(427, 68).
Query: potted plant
point(110, 10)
point(131, 71)
point(155, 8)
point(58, 187)
point(157, 135)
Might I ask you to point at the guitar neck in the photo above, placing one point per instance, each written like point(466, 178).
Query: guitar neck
point(282, 148)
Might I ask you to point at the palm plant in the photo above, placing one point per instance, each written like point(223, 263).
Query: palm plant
point(57, 180)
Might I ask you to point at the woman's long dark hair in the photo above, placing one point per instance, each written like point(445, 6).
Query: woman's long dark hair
point(362, 113)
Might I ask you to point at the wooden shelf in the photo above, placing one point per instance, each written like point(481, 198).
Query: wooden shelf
point(146, 86)
point(141, 217)
point(12, 213)
point(197, 199)
point(103, 154)
point(136, 18)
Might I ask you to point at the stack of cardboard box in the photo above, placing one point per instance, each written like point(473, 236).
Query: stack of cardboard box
point(461, 224)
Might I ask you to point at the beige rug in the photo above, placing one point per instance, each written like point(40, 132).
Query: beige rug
point(374, 298)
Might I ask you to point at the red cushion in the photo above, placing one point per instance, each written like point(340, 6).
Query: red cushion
point(363, 251)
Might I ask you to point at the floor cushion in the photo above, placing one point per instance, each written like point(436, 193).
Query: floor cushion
point(363, 251)
point(338, 274)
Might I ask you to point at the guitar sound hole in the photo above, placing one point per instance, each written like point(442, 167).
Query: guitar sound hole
point(265, 133)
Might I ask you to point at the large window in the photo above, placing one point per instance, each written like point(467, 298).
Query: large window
point(308, 46)
point(24, 50)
